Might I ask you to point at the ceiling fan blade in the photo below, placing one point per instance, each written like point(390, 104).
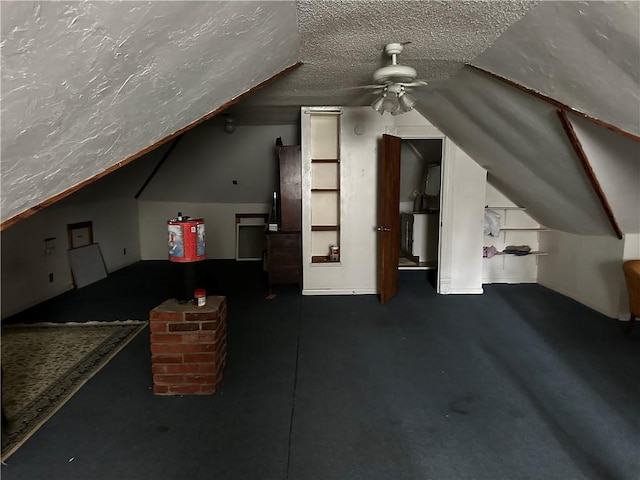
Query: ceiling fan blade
point(415, 83)
point(366, 87)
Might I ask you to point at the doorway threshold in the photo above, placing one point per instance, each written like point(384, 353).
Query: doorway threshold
point(409, 264)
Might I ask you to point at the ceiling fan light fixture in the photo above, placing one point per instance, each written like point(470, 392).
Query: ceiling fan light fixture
point(390, 102)
point(395, 100)
point(393, 79)
point(377, 104)
point(406, 101)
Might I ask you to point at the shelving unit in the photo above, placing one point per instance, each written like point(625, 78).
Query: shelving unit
point(516, 228)
point(284, 247)
point(504, 228)
point(325, 185)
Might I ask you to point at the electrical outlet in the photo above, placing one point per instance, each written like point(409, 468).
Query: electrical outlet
point(51, 278)
point(124, 251)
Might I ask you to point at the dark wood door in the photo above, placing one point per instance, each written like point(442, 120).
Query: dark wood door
point(388, 217)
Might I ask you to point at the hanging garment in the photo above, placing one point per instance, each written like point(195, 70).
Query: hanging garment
point(489, 252)
point(491, 223)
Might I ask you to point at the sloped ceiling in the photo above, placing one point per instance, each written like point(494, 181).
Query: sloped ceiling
point(86, 85)
point(520, 141)
point(584, 54)
point(615, 160)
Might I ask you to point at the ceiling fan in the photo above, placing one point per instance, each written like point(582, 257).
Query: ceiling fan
point(392, 83)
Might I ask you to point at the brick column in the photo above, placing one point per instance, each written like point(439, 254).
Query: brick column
point(188, 346)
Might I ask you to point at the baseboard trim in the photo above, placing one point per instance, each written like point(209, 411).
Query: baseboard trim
point(512, 280)
point(464, 291)
point(578, 299)
point(339, 291)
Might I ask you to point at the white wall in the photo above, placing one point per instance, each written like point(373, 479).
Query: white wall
point(631, 247)
point(461, 209)
point(412, 170)
point(356, 272)
point(203, 166)
point(197, 180)
point(26, 266)
point(462, 217)
point(585, 268)
point(220, 226)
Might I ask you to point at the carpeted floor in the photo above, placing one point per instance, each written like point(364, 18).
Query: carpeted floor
point(518, 383)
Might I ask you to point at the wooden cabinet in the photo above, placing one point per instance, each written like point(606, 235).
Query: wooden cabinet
point(290, 187)
point(283, 257)
point(284, 246)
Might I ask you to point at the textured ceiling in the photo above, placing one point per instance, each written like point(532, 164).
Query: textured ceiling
point(520, 141)
point(584, 54)
point(342, 42)
point(85, 85)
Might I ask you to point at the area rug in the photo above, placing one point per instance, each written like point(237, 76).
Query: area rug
point(44, 364)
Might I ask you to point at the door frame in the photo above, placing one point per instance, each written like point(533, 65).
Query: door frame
point(443, 272)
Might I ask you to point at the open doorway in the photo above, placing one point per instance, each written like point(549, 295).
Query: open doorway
point(420, 180)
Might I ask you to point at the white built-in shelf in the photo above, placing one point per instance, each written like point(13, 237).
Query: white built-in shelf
point(324, 189)
point(504, 208)
point(524, 229)
point(538, 253)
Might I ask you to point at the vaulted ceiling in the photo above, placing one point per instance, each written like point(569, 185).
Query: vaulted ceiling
point(86, 86)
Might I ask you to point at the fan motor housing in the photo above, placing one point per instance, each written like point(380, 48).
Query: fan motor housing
point(395, 74)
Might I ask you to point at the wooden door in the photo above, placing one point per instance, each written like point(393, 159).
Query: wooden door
point(388, 217)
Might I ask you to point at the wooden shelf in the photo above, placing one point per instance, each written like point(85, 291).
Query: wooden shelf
point(322, 259)
point(325, 228)
point(325, 189)
point(325, 160)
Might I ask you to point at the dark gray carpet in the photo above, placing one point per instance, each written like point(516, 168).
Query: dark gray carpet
point(519, 383)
